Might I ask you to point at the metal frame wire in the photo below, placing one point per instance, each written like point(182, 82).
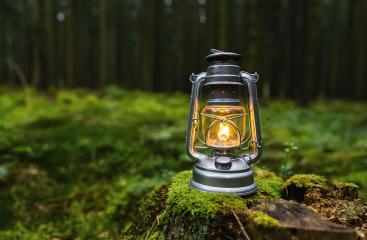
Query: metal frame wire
point(253, 139)
point(226, 120)
point(220, 120)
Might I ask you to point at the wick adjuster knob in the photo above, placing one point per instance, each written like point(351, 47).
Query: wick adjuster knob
point(223, 163)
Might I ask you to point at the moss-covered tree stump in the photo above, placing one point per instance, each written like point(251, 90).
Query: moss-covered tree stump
point(303, 207)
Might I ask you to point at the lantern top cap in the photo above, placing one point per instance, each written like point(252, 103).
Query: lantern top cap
point(223, 68)
point(217, 55)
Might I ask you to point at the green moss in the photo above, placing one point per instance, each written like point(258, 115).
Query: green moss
point(185, 199)
point(360, 179)
point(191, 214)
point(182, 199)
point(185, 212)
point(263, 220)
point(158, 235)
point(349, 185)
point(349, 190)
point(149, 213)
point(269, 184)
point(152, 205)
point(306, 181)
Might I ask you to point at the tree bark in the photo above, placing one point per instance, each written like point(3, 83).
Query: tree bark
point(361, 38)
point(147, 48)
point(51, 28)
point(39, 55)
point(2, 46)
point(71, 43)
point(103, 42)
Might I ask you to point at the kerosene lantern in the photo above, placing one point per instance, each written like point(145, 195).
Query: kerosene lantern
point(223, 134)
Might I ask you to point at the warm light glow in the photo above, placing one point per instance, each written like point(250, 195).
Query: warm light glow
point(223, 126)
point(223, 133)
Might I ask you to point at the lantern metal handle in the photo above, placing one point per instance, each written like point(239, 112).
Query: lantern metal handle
point(196, 80)
point(257, 144)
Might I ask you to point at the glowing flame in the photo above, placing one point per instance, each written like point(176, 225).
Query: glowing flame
point(223, 131)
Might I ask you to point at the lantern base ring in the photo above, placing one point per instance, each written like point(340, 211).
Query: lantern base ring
point(240, 183)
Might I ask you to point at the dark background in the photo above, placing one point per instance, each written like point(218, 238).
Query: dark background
point(301, 49)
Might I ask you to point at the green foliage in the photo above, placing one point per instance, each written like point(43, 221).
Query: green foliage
point(81, 162)
point(4, 172)
point(329, 136)
point(77, 164)
point(151, 206)
point(158, 235)
point(287, 166)
point(19, 232)
point(126, 197)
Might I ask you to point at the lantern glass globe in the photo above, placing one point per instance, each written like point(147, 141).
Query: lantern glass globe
point(223, 126)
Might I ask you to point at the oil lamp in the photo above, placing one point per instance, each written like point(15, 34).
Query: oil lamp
point(223, 134)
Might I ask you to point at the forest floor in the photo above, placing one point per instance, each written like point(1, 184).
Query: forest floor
point(74, 164)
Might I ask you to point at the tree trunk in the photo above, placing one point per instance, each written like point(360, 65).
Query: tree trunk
point(39, 60)
point(103, 42)
point(2, 46)
point(70, 51)
point(147, 48)
point(299, 60)
point(51, 42)
point(285, 49)
point(361, 39)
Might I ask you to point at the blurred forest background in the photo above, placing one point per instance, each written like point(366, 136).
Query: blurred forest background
point(302, 49)
point(94, 101)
